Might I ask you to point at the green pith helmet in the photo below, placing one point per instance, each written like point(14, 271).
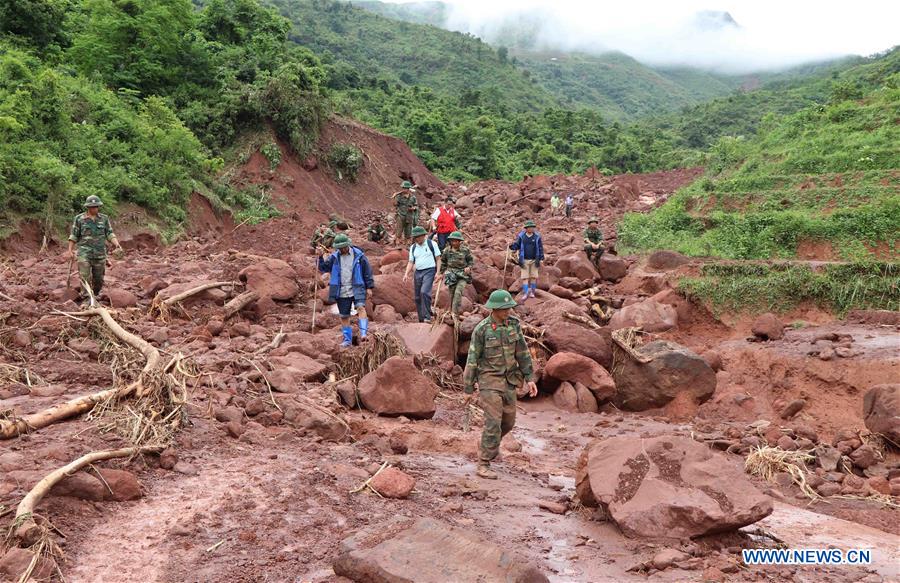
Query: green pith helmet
point(500, 300)
point(418, 232)
point(406, 184)
point(529, 223)
point(92, 201)
point(341, 241)
point(332, 224)
point(593, 220)
point(451, 200)
point(455, 236)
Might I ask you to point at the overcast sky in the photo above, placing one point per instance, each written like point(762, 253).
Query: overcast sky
point(772, 33)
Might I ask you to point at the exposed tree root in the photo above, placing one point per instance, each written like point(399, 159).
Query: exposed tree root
point(13, 427)
point(26, 531)
point(239, 303)
point(169, 302)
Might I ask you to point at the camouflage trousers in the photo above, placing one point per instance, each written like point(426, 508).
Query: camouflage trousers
point(405, 226)
point(92, 272)
point(593, 254)
point(456, 295)
point(499, 418)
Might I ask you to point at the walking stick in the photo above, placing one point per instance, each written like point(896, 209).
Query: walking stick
point(315, 300)
point(71, 270)
point(434, 300)
point(505, 261)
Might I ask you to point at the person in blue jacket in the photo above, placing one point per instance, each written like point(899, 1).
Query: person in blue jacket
point(531, 252)
point(351, 279)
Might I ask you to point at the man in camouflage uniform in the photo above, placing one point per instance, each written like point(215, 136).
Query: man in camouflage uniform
point(338, 223)
point(322, 237)
point(499, 362)
point(456, 265)
point(407, 211)
point(593, 240)
point(90, 232)
point(377, 232)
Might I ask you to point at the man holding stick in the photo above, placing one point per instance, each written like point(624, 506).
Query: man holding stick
point(90, 232)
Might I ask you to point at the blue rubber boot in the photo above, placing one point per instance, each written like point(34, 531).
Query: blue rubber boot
point(363, 328)
point(347, 332)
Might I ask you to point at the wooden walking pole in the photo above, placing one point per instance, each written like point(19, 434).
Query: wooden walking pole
point(434, 300)
point(505, 262)
point(71, 269)
point(316, 277)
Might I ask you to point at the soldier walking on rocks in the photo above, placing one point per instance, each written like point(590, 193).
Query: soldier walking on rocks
point(351, 280)
point(531, 252)
point(322, 237)
point(498, 363)
point(90, 232)
point(593, 241)
point(456, 265)
point(407, 210)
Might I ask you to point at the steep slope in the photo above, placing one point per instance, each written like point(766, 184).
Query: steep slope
point(385, 51)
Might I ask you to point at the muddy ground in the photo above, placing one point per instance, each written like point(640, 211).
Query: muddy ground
point(271, 500)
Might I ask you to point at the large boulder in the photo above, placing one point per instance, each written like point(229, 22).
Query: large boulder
point(304, 413)
point(577, 368)
point(566, 397)
point(486, 279)
point(271, 278)
point(120, 298)
point(570, 336)
point(390, 290)
point(577, 265)
point(768, 327)
point(663, 372)
point(881, 411)
point(665, 260)
point(422, 338)
point(648, 315)
point(612, 267)
point(292, 369)
point(397, 387)
point(430, 551)
point(667, 487)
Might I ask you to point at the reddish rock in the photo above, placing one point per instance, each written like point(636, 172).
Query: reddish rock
point(394, 256)
point(669, 487)
point(240, 329)
point(390, 290)
point(786, 443)
point(81, 485)
point(305, 414)
point(48, 390)
point(271, 278)
point(21, 338)
point(572, 337)
point(123, 484)
point(294, 368)
point(587, 402)
point(397, 387)
point(254, 407)
point(575, 368)
point(85, 346)
point(565, 397)
point(670, 369)
point(393, 483)
point(713, 359)
point(792, 408)
point(880, 484)
point(234, 429)
point(864, 456)
point(168, 458)
point(562, 292)
point(768, 327)
point(386, 314)
point(150, 286)
point(577, 265)
point(229, 413)
point(430, 551)
point(881, 410)
point(215, 327)
point(612, 267)
point(16, 561)
point(486, 279)
point(649, 315)
point(423, 338)
point(665, 260)
point(120, 298)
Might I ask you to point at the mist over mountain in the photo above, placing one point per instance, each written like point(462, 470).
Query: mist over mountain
point(764, 36)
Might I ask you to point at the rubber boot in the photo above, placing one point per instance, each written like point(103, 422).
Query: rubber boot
point(484, 471)
point(347, 332)
point(363, 328)
point(531, 289)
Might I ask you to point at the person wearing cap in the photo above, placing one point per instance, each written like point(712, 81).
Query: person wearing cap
point(531, 252)
point(89, 234)
point(498, 362)
point(425, 259)
point(407, 210)
point(338, 223)
point(456, 265)
point(444, 220)
point(593, 240)
point(376, 232)
point(351, 280)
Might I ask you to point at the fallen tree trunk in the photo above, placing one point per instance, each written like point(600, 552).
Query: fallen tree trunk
point(27, 529)
point(169, 302)
point(16, 426)
point(239, 303)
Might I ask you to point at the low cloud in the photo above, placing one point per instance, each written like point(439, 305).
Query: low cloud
point(763, 35)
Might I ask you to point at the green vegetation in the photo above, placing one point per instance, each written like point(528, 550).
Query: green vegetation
point(760, 288)
point(136, 102)
point(345, 160)
point(827, 174)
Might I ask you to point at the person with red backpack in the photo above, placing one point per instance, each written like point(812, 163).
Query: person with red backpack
point(444, 220)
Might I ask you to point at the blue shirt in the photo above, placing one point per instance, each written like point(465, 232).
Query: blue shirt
point(529, 247)
point(423, 255)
